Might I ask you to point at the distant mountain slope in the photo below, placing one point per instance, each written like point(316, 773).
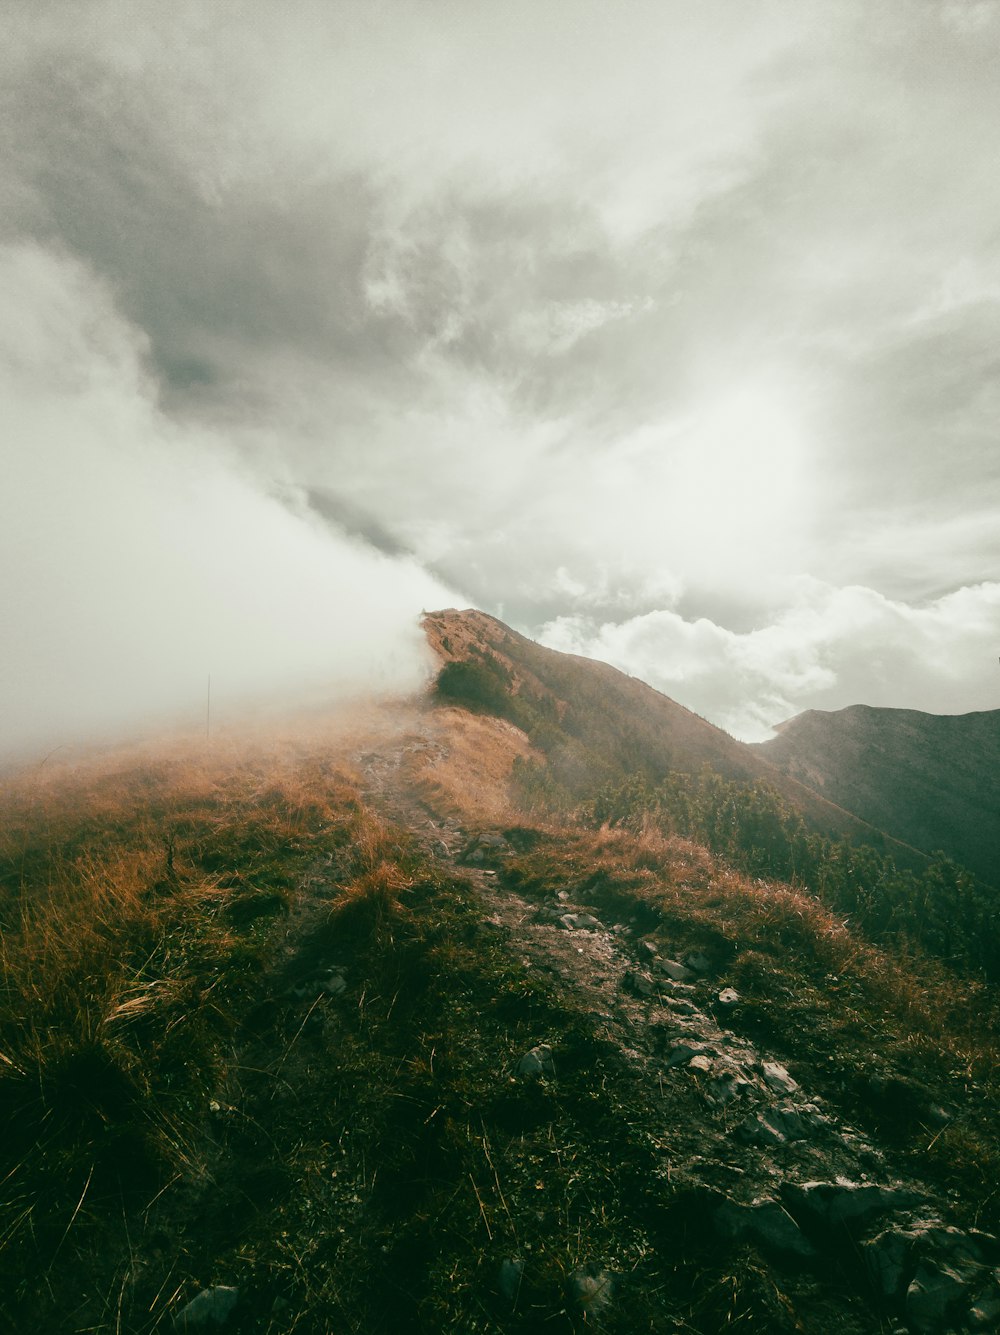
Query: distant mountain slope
point(597, 723)
point(930, 780)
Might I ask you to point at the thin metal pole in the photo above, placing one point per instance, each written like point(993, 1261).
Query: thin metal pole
point(208, 709)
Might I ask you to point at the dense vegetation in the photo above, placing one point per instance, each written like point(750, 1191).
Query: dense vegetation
point(942, 909)
point(886, 766)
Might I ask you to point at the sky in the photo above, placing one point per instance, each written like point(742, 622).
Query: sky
point(667, 332)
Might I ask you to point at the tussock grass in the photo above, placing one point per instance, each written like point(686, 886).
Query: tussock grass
point(137, 898)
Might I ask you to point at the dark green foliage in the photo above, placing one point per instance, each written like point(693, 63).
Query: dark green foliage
point(943, 909)
point(927, 779)
point(481, 685)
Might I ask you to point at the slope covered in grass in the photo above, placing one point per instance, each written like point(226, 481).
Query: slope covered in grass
point(596, 725)
point(928, 779)
point(264, 1021)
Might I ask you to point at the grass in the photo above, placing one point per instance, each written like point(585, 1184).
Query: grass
point(138, 898)
point(253, 1033)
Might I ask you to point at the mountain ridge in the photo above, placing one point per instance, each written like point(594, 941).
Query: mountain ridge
point(671, 736)
point(351, 1027)
point(929, 780)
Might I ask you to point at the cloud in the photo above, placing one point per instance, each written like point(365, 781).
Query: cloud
point(139, 557)
point(595, 317)
point(832, 648)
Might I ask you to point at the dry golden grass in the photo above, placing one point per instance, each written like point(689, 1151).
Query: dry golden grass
point(123, 883)
point(179, 1112)
point(470, 777)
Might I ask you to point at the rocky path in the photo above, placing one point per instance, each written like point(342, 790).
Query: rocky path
point(761, 1159)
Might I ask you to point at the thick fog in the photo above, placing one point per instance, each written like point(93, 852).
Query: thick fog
point(139, 557)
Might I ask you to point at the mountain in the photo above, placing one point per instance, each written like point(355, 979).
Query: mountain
point(597, 723)
point(930, 780)
point(376, 1022)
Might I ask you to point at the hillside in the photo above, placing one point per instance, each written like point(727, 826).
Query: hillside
point(597, 724)
point(930, 780)
point(336, 1029)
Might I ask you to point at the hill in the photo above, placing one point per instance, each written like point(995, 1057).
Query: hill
point(597, 724)
point(932, 781)
point(340, 1028)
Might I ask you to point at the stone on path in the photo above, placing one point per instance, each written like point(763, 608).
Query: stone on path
point(673, 970)
point(778, 1078)
point(537, 1061)
point(211, 1307)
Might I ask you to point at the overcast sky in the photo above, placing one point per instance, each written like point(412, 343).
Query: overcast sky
point(667, 332)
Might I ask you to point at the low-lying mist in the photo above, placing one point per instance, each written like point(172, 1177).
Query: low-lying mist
point(138, 558)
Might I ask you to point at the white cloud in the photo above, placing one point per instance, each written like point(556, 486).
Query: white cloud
point(832, 648)
point(138, 557)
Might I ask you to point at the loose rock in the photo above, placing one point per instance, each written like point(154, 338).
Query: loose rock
point(844, 1204)
point(682, 1053)
point(510, 1277)
point(211, 1307)
point(577, 921)
point(778, 1078)
point(768, 1225)
point(639, 984)
point(537, 1061)
point(934, 1294)
point(671, 969)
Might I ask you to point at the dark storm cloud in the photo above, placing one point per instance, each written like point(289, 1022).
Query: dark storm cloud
point(349, 518)
point(214, 272)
